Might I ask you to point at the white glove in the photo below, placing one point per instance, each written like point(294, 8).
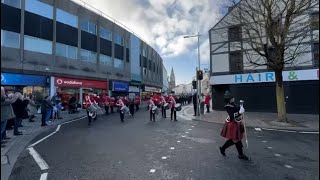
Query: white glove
point(242, 110)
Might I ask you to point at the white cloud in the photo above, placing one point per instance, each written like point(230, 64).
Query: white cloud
point(162, 23)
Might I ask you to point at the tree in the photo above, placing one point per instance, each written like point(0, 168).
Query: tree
point(273, 33)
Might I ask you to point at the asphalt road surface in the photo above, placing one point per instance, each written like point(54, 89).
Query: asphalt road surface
point(184, 150)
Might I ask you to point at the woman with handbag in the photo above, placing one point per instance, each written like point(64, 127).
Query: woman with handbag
point(233, 128)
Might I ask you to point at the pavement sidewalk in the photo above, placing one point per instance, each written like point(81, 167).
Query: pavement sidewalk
point(30, 130)
point(297, 122)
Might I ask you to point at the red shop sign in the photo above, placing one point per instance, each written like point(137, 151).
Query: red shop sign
point(69, 82)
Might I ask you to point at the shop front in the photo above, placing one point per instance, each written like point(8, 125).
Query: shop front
point(119, 88)
point(77, 88)
point(149, 91)
point(36, 85)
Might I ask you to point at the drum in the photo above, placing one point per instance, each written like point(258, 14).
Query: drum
point(177, 107)
point(166, 106)
point(92, 108)
point(124, 109)
point(154, 109)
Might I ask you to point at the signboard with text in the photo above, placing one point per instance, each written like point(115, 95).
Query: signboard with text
point(120, 86)
point(70, 82)
point(296, 75)
point(23, 79)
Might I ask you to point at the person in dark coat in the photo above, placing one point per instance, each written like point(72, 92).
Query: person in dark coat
point(45, 107)
point(233, 128)
point(19, 108)
point(195, 103)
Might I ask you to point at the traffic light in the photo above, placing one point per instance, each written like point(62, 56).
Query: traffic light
point(194, 84)
point(199, 75)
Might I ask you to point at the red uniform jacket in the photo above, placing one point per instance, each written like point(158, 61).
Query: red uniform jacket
point(151, 104)
point(120, 103)
point(112, 101)
point(172, 101)
point(89, 99)
point(137, 100)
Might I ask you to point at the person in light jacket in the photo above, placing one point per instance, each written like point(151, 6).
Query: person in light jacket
point(32, 108)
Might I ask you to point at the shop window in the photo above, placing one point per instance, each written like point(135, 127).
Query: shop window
point(234, 33)
point(10, 39)
point(118, 63)
point(40, 8)
point(67, 18)
point(13, 3)
point(105, 34)
point(88, 26)
point(66, 51)
point(236, 61)
point(88, 56)
point(37, 45)
point(106, 60)
point(314, 18)
point(316, 54)
point(118, 39)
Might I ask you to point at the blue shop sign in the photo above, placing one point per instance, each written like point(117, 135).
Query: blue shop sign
point(120, 86)
point(23, 80)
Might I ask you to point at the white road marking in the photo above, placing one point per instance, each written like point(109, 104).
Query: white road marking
point(189, 129)
point(268, 129)
point(259, 136)
point(42, 139)
point(44, 176)
point(264, 141)
point(183, 136)
point(192, 126)
point(286, 131)
point(258, 129)
point(190, 147)
point(73, 120)
point(187, 132)
point(58, 128)
point(288, 166)
point(304, 132)
point(178, 141)
point(164, 157)
point(152, 170)
point(41, 163)
point(269, 147)
point(278, 155)
point(172, 148)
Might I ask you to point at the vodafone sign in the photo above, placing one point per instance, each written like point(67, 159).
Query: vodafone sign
point(69, 82)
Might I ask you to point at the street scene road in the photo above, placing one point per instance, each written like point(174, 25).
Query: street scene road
point(186, 149)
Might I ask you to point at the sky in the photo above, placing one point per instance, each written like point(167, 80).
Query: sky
point(163, 24)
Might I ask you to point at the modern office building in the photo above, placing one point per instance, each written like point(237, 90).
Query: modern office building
point(230, 70)
point(69, 47)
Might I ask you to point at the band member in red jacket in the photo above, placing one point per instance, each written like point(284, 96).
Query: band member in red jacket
point(173, 102)
point(137, 102)
point(112, 104)
point(120, 104)
point(106, 102)
point(89, 100)
point(207, 99)
point(163, 110)
point(152, 113)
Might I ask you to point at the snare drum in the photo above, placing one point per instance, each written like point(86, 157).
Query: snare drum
point(154, 109)
point(124, 109)
point(177, 107)
point(166, 106)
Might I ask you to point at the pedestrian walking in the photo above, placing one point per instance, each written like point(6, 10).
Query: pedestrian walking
point(32, 108)
point(207, 102)
point(233, 128)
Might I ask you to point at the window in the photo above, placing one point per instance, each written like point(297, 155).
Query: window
point(88, 56)
point(106, 60)
point(118, 39)
point(314, 17)
point(236, 61)
point(10, 39)
point(66, 51)
point(13, 3)
point(37, 45)
point(118, 63)
point(234, 33)
point(316, 54)
point(88, 26)
point(67, 18)
point(39, 8)
point(105, 34)
point(144, 53)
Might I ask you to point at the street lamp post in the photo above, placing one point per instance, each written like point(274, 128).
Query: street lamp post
point(198, 81)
